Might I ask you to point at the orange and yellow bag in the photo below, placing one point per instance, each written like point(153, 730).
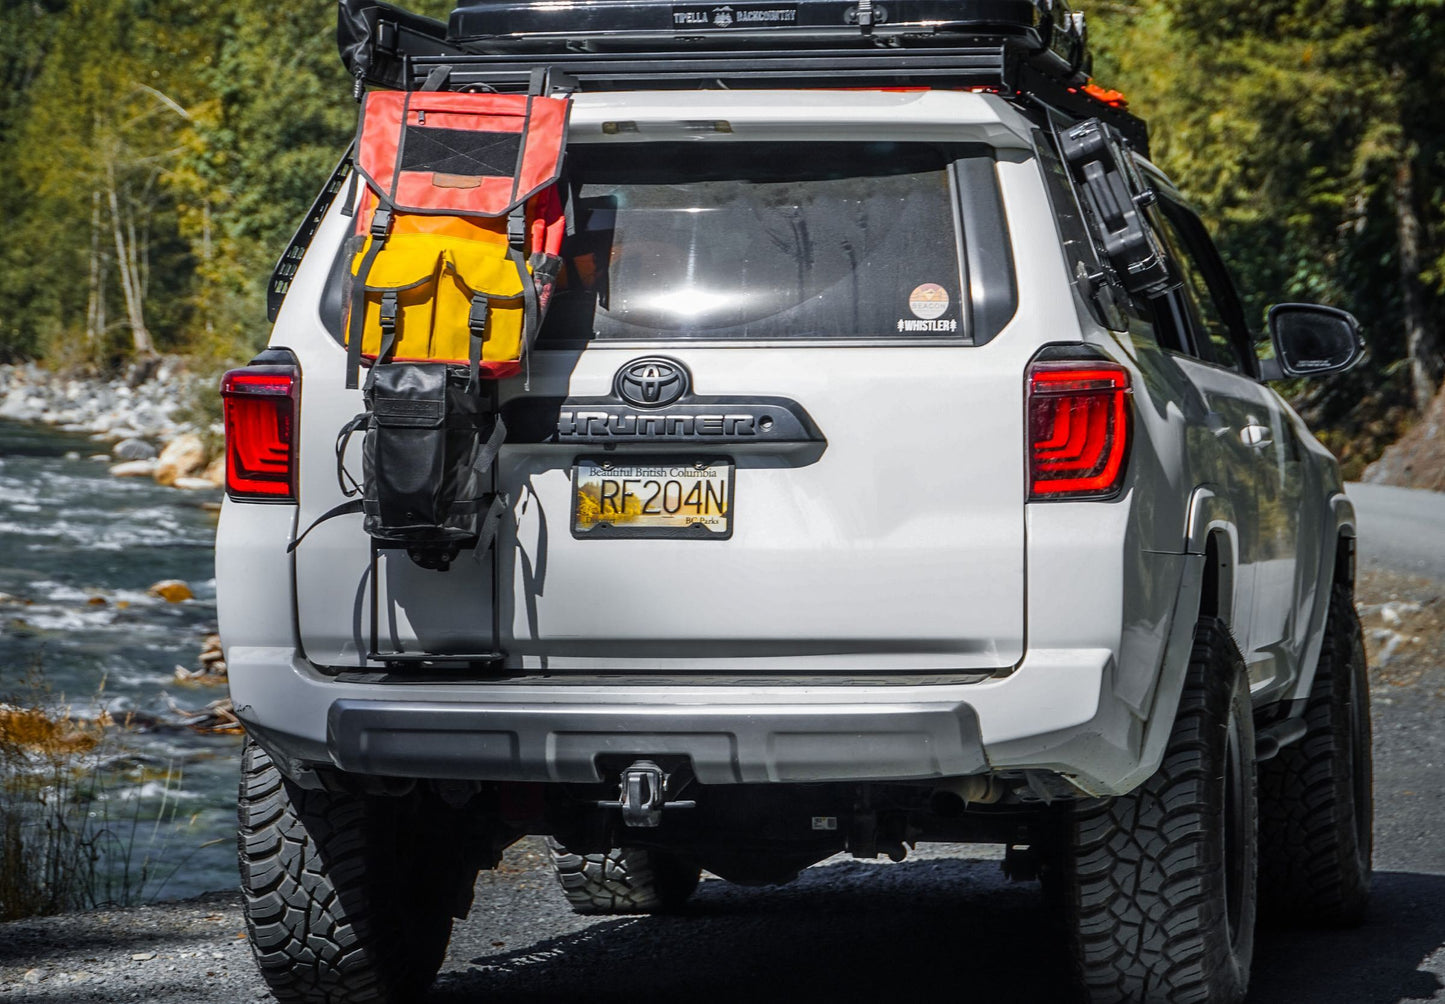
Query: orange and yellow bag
point(459, 231)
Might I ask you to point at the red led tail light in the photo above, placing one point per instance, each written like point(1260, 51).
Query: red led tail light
point(260, 416)
point(1079, 425)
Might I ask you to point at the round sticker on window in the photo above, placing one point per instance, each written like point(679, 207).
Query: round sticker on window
point(928, 301)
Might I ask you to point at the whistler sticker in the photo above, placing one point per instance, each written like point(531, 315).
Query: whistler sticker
point(936, 324)
point(929, 301)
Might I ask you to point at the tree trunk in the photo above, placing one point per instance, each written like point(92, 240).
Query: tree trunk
point(1421, 345)
point(130, 279)
point(95, 320)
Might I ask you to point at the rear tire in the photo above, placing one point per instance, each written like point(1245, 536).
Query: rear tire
point(349, 898)
point(1316, 796)
point(624, 880)
point(1158, 886)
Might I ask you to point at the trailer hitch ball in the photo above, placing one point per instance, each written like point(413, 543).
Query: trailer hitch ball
point(642, 795)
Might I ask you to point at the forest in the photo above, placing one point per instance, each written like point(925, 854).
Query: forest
point(157, 154)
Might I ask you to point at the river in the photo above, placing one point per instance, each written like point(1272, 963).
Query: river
point(78, 550)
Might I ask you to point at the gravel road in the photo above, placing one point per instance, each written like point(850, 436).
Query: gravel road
point(944, 921)
point(1401, 529)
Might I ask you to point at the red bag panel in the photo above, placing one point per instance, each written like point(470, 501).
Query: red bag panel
point(460, 153)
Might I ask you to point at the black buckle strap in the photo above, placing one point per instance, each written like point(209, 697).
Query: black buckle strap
point(380, 230)
point(389, 304)
point(487, 452)
point(477, 318)
point(477, 322)
point(491, 522)
point(381, 224)
point(517, 227)
point(344, 509)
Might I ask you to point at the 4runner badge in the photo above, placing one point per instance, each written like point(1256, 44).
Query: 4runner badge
point(653, 382)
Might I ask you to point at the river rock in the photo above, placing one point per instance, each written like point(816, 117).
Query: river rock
point(133, 449)
point(212, 652)
point(135, 469)
point(193, 484)
point(171, 590)
point(216, 472)
point(182, 457)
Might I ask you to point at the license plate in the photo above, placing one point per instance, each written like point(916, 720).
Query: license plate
point(692, 499)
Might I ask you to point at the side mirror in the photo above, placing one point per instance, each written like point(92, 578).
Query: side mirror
point(1311, 340)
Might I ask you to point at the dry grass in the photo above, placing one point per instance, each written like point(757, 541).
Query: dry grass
point(60, 847)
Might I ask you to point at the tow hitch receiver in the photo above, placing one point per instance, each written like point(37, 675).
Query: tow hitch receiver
point(643, 795)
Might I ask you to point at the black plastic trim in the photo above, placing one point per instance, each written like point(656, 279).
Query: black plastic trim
point(551, 741)
point(580, 421)
point(290, 259)
point(992, 287)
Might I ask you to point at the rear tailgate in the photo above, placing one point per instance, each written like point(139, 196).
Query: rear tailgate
point(856, 287)
point(899, 546)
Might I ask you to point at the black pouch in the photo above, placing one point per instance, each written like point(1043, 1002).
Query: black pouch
point(430, 441)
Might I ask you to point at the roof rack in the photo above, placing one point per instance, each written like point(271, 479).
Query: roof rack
point(1026, 49)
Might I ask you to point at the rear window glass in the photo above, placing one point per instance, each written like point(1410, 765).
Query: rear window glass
point(799, 240)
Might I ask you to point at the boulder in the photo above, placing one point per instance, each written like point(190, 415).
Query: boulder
point(216, 472)
point(133, 449)
point(182, 457)
point(193, 484)
point(171, 590)
point(135, 469)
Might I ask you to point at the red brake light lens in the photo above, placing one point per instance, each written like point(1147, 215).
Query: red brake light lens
point(1079, 424)
point(260, 417)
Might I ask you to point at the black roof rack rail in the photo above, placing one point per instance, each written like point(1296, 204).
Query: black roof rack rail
point(290, 259)
point(1025, 49)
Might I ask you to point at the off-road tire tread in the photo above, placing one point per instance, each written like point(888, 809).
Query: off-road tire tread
point(1311, 868)
point(1143, 884)
point(326, 924)
point(622, 881)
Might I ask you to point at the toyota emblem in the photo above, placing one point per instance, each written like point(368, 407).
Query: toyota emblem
point(653, 382)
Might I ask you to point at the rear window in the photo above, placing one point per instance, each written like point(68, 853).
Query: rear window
point(729, 240)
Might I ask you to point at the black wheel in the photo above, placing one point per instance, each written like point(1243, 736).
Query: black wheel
point(345, 901)
point(1158, 886)
point(1316, 798)
point(624, 880)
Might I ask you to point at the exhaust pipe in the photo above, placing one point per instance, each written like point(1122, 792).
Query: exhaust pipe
point(951, 798)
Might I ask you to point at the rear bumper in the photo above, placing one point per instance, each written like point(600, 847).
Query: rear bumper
point(728, 744)
point(1047, 714)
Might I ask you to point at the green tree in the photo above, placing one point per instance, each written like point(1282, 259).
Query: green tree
point(103, 123)
point(1310, 136)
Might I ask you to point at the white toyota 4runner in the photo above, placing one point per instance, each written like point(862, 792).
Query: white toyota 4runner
point(895, 464)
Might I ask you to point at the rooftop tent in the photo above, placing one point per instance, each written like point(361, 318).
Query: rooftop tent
point(624, 22)
point(1017, 47)
point(375, 39)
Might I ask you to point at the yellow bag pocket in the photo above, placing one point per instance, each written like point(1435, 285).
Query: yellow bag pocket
point(438, 284)
point(399, 296)
point(478, 291)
